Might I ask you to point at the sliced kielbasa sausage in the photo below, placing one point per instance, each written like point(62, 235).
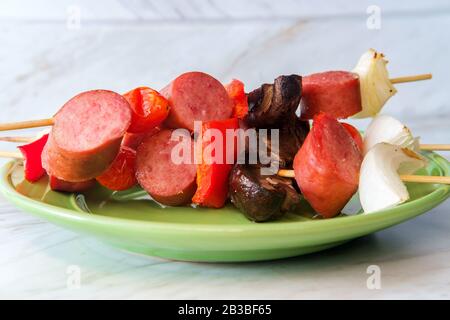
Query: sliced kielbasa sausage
point(327, 166)
point(336, 93)
point(86, 135)
point(168, 181)
point(196, 96)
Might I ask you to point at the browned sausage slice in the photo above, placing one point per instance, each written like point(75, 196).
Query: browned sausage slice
point(61, 185)
point(336, 93)
point(86, 135)
point(166, 181)
point(196, 96)
point(327, 166)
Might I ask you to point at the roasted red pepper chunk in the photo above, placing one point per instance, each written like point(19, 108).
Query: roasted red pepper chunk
point(32, 153)
point(149, 108)
point(121, 174)
point(213, 171)
point(235, 90)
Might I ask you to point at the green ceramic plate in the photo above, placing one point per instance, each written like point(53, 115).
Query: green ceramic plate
point(197, 234)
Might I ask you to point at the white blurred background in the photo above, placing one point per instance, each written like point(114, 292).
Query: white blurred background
point(51, 50)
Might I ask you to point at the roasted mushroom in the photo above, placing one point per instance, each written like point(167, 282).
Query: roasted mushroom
point(261, 198)
point(271, 105)
point(291, 137)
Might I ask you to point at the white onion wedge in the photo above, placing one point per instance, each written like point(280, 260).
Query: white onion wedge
point(384, 128)
point(375, 86)
point(380, 186)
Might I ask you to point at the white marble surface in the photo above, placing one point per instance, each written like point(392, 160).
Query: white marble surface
point(122, 44)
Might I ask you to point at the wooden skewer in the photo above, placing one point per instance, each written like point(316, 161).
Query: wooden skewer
point(17, 139)
point(407, 178)
point(436, 147)
point(26, 124)
point(286, 173)
point(11, 154)
point(418, 77)
point(425, 179)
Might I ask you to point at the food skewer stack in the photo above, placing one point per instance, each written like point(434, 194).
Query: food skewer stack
point(128, 140)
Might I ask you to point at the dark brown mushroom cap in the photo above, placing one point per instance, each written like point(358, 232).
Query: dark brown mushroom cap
point(291, 138)
point(261, 198)
point(273, 104)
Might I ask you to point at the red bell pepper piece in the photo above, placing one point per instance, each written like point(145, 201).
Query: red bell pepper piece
point(237, 94)
point(355, 135)
point(121, 174)
point(149, 108)
point(212, 176)
point(32, 158)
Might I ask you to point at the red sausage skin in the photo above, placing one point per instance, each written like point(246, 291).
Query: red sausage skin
point(65, 186)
